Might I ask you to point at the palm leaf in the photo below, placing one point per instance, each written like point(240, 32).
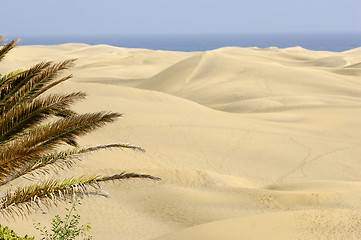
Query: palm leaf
point(5, 49)
point(10, 75)
point(27, 114)
point(56, 160)
point(67, 129)
point(24, 199)
point(36, 85)
point(28, 148)
point(13, 84)
point(65, 159)
point(52, 84)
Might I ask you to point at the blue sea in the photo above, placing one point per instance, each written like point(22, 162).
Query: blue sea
point(335, 42)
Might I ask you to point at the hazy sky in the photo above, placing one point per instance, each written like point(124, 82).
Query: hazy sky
point(85, 17)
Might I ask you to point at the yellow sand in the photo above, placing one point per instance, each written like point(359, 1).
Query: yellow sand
point(250, 143)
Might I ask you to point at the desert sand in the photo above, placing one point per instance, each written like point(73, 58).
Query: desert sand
point(250, 143)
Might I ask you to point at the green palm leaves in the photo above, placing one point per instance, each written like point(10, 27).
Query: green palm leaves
point(28, 139)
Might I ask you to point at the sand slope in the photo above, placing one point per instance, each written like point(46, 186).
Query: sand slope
point(250, 143)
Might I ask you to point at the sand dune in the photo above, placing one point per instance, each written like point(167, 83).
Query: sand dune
point(250, 143)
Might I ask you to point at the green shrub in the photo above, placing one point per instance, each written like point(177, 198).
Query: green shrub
point(7, 234)
point(66, 229)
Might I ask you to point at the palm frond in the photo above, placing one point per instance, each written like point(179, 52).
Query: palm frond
point(125, 175)
point(37, 84)
point(31, 147)
point(8, 76)
point(5, 49)
point(24, 199)
point(10, 87)
point(75, 126)
point(51, 85)
point(25, 116)
point(57, 161)
point(65, 159)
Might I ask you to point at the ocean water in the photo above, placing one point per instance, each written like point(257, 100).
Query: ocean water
point(335, 42)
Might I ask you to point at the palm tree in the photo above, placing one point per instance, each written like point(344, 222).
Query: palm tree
point(29, 136)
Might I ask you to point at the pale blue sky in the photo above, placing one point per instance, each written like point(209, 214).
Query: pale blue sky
point(119, 17)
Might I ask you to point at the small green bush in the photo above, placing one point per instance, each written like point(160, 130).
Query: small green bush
point(7, 234)
point(66, 229)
